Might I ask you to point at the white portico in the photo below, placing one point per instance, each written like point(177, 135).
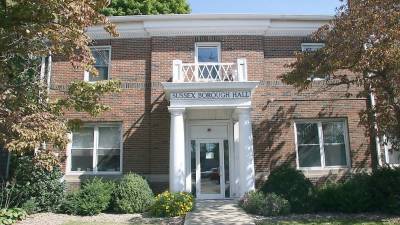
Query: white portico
point(211, 142)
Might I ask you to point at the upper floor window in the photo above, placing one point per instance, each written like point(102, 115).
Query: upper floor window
point(208, 55)
point(102, 56)
point(322, 144)
point(392, 157)
point(312, 47)
point(96, 149)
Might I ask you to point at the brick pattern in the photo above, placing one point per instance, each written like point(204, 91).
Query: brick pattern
point(142, 64)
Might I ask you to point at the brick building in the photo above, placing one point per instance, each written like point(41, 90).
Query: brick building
point(202, 108)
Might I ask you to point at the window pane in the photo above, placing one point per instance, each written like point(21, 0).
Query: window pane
point(307, 133)
point(309, 156)
point(81, 159)
point(109, 137)
point(103, 74)
point(335, 155)
point(333, 132)
point(207, 54)
point(394, 157)
point(83, 138)
point(108, 160)
point(101, 56)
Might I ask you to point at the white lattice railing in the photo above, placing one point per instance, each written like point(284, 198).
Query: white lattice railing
point(209, 72)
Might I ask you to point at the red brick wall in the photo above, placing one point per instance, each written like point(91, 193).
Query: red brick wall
point(142, 64)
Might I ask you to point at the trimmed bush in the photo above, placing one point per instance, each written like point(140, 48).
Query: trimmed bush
point(11, 216)
point(292, 185)
point(34, 183)
point(132, 195)
point(352, 196)
point(385, 190)
point(93, 198)
point(169, 204)
point(255, 202)
point(252, 202)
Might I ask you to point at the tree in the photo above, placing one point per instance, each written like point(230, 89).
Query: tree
point(28, 31)
point(146, 7)
point(362, 48)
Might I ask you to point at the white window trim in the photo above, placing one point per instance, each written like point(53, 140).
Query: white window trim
point(103, 47)
point(207, 44)
point(94, 163)
point(321, 144)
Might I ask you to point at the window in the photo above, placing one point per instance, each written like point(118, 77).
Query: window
point(321, 144)
point(312, 47)
point(208, 53)
point(102, 56)
point(392, 157)
point(96, 149)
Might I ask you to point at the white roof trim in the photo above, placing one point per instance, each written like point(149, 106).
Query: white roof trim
point(212, 24)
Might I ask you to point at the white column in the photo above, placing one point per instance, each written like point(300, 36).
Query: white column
point(246, 153)
point(177, 151)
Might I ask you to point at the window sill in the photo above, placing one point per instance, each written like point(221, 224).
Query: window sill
point(72, 173)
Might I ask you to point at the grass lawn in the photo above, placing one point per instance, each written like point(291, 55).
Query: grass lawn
point(329, 222)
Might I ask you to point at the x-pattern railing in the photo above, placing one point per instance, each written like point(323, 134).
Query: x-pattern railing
point(197, 72)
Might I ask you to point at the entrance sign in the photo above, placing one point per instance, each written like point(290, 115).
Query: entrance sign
point(207, 95)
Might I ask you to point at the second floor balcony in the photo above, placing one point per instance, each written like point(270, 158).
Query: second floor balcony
point(209, 72)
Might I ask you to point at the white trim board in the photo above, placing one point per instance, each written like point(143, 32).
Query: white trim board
point(211, 24)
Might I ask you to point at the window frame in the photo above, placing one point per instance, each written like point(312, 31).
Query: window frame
point(207, 44)
point(95, 147)
point(321, 144)
point(315, 47)
point(387, 147)
point(86, 74)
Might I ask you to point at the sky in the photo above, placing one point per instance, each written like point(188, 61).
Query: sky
point(298, 7)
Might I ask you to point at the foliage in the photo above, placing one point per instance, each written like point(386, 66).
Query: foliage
point(132, 194)
point(169, 204)
point(292, 185)
point(271, 204)
point(93, 198)
point(30, 206)
point(362, 49)
point(32, 187)
point(146, 7)
point(378, 192)
point(352, 196)
point(11, 216)
point(385, 190)
point(28, 31)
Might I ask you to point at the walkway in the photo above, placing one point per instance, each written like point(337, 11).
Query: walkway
point(219, 212)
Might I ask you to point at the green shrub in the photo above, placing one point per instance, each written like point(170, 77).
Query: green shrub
point(292, 185)
point(252, 202)
point(169, 204)
point(11, 216)
point(132, 195)
point(93, 198)
point(32, 181)
point(352, 196)
point(385, 190)
point(271, 204)
point(30, 206)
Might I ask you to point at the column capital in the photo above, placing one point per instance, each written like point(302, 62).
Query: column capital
point(176, 111)
point(242, 110)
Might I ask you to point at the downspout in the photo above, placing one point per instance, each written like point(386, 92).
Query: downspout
point(377, 139)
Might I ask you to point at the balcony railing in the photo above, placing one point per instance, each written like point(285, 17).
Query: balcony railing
point(209, 72)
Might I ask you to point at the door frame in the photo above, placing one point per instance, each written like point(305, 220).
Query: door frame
point(221, 169)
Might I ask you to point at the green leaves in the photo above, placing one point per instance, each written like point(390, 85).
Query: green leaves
point(146, 7)
point(362, 53)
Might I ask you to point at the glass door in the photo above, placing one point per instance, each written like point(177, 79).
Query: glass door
point(210, 178)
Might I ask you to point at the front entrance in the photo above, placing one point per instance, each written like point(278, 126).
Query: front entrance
point(210, 174)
